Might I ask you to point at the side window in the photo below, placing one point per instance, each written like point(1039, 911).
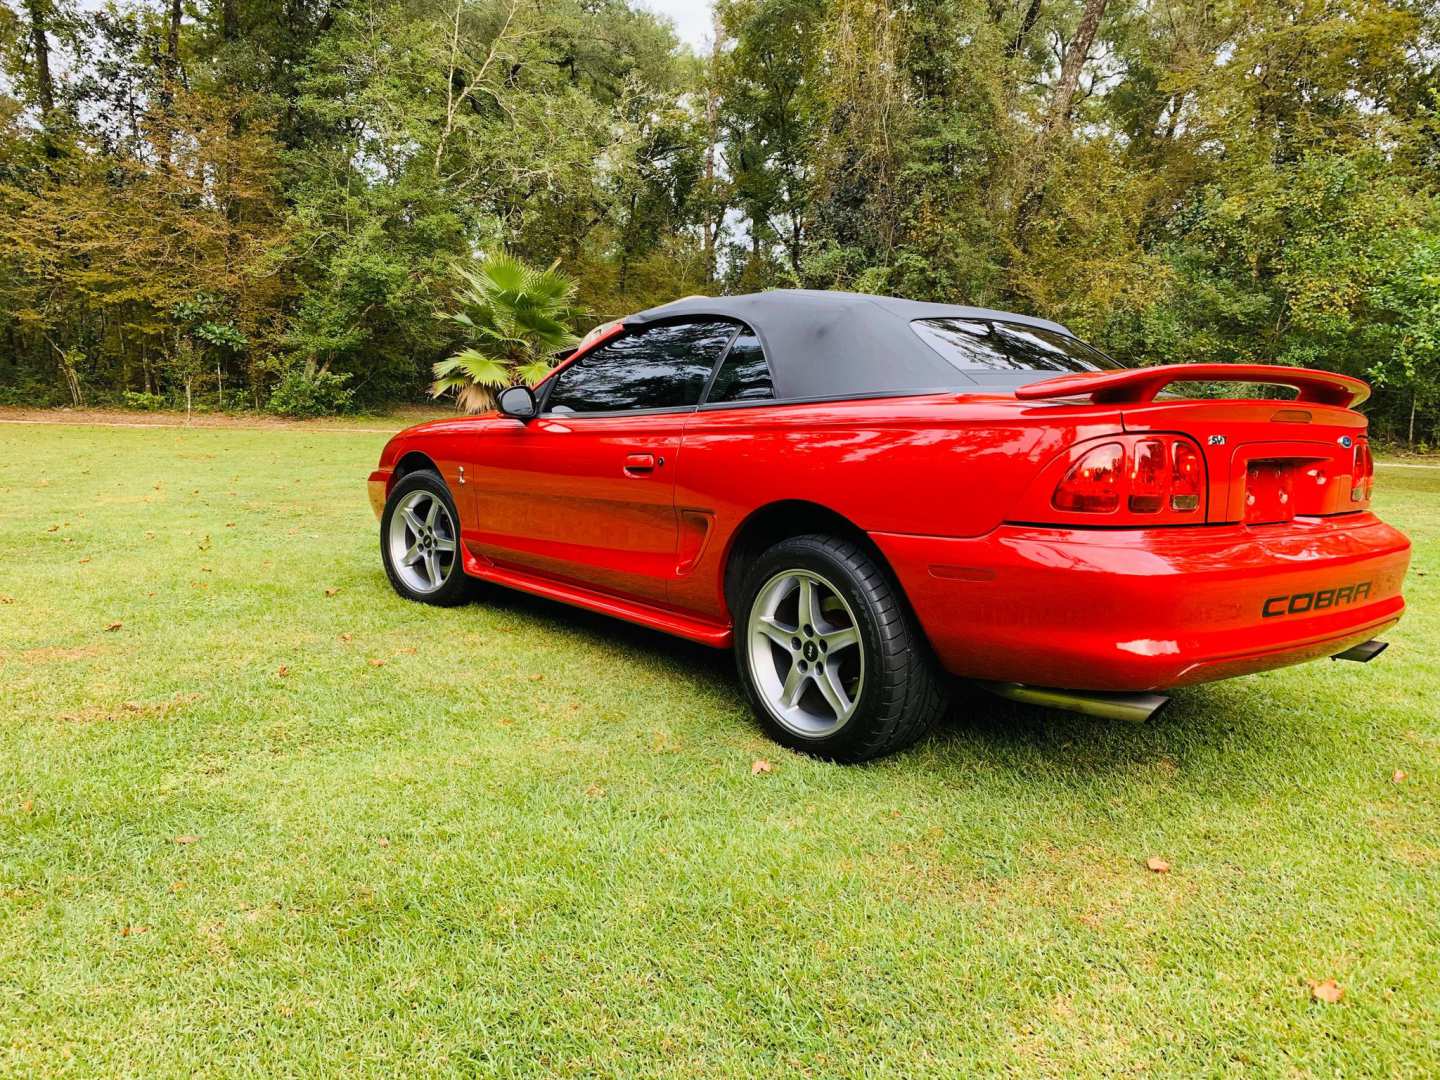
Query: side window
point(744, 376)
point(661, 367)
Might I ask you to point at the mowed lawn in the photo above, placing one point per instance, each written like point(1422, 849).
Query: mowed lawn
point(260, 816)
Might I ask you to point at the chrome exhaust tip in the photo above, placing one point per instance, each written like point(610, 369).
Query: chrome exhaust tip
point(1107, 705)
point(1364, 652)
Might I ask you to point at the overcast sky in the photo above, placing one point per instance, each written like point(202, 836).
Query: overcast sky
point(692, 18)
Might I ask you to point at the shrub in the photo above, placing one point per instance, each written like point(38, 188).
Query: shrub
point(305, 390)
point(145, 402)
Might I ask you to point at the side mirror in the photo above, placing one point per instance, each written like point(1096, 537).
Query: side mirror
point(518, 403)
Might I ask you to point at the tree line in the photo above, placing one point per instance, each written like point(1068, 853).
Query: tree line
point(263, 203)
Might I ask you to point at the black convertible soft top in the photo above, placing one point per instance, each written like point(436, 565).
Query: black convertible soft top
point(840, 344)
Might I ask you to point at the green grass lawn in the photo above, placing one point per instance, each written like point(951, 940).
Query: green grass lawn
point(258, 827)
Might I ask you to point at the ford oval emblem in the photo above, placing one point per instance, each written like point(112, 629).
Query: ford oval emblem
point(1346, 441)
point(1216, 440)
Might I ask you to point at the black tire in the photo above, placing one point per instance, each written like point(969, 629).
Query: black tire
point(903, 692)
point(455, 587)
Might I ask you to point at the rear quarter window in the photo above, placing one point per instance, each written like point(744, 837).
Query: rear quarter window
point(977, 347)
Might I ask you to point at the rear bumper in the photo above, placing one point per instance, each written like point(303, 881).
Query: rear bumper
point(1148, 609)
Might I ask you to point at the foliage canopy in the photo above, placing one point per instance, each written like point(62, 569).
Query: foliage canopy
point(216, 196)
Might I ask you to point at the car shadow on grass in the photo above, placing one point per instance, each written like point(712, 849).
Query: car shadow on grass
point(1199, 724)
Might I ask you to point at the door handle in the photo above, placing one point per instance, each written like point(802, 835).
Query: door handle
point(639, 464)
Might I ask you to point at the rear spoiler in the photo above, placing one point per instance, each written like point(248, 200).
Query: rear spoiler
point(1135, 386)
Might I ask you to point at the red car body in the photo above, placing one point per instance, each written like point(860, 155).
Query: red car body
point(646, 516)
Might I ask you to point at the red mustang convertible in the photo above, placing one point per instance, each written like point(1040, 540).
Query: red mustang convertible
point(863, 495)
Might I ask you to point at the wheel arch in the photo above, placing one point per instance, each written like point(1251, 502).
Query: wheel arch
point(769, 524)
point(412, 461)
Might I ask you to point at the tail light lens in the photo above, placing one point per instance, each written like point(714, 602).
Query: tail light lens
point(1148, 476)
point(1187, 478)
point(1092, 486)
point(1363, 472)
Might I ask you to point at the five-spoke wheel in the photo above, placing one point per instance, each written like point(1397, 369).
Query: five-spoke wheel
point(805, 652)
point(829, 652)
point(420, 541)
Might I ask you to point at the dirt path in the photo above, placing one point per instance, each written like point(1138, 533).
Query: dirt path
point(120, 418)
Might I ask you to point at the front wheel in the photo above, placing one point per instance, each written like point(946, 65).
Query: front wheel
point(420, 541)
point(829, 653)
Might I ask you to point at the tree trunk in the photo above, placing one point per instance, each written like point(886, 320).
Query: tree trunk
point(1410, 439)
point(1057, 119)
point(1063, 98)
point(1027, 23)
point(229, 20)
point(711, 224)
point(168, 77)
point(40, 43)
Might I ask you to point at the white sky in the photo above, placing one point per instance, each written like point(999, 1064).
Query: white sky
point(692, 18)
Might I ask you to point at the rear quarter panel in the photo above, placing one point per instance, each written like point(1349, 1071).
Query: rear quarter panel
point(939, 465)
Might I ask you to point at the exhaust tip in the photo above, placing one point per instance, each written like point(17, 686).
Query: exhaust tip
point(1107, 705)
point(1364, 652)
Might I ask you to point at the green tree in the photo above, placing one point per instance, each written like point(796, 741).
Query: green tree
point(516, 317)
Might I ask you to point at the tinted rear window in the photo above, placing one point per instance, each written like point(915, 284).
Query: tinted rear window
point(1008, 347)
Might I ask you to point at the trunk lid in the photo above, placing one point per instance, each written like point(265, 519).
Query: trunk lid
point(1265, 461)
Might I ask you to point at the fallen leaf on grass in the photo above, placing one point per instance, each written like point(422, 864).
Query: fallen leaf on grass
point(53, 528)
point(283, 670)
point(410, 651)
point(331, 592)
point(760, 765)
point(375, 662)
point(595, 791)
point(536, 678)
point(85, 559)
point(1398, 777)
point(177, 886)
point(7, 599)
point(347, 637)
point(204, 544)
point(27, 806)
point(1328, 991)
point(230, 524)
point(187, 838)
point(384, 841)
point(131, 931)
point(1157, 865)
point(114, 626)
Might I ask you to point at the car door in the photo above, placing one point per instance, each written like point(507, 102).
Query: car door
point(585, 492)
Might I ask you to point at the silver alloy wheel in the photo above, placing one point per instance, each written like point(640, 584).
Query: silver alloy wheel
point(422, 541)
point(806, 656)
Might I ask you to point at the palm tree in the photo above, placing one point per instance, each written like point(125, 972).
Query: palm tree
point(516, 318)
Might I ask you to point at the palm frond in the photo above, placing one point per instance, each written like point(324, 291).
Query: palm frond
point(533, 371)
point(514, 316)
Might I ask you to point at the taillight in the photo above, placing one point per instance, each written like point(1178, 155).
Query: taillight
point(1092, 486)
point(1187, 478)
point(1363, 473)
point(1148, 476)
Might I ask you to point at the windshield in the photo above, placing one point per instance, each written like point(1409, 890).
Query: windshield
point(976, 347)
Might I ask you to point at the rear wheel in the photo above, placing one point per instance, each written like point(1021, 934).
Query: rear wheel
point(830, 656)
point(420, 541)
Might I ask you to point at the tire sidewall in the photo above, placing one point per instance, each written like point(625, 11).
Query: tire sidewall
point(456, 587)
point(806, 553)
